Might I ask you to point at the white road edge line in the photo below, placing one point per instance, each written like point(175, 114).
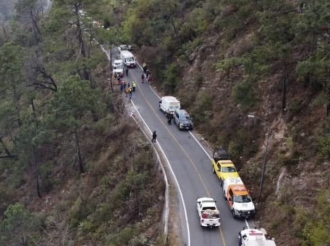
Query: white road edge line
point(172, 172)
point(197, 141)
point(167, 209)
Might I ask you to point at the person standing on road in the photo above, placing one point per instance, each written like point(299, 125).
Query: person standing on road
point(130, 95)
point(154, 137)
point(149, 78)
point(122, 88)
point(134, 86)
point(142, 78)
point(145, 68)
point(128, 91)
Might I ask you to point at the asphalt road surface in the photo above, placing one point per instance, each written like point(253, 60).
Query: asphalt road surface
point(191, 164)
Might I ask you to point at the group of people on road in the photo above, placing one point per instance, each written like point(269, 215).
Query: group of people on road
point(146, 75)
point(127, 88)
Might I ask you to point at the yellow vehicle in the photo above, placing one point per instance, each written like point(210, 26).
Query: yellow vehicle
point(223, 167)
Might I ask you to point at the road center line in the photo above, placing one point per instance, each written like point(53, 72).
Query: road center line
point(184, 151)
point(200, 145)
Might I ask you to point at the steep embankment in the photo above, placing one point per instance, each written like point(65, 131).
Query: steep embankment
point(227, 59)
point(74, 169)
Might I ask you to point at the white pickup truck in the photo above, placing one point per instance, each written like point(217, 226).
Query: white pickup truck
point(254, 237)
point(208, 212)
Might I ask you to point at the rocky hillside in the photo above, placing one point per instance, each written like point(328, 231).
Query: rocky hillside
point(73, 169)
point(230, 58)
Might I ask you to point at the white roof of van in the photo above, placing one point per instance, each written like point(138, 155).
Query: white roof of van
point(170, 99)
point(126, 53)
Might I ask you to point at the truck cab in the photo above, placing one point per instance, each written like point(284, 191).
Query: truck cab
point(238, 198)
point(223, 167)
point(254, 237)
point(208, 213)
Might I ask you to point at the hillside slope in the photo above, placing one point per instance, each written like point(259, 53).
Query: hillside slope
point(74, 168)
point(227, 59)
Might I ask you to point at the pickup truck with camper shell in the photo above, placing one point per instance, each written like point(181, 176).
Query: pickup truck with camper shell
point(208, 213)
point(169, 104)
point(254, 237)
point(238, 198)
point(223, 167)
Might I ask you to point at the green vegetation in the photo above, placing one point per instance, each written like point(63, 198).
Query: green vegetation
point(73, 170)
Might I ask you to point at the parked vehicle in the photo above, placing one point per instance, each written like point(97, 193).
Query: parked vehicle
point(208, 213)
point(128, 58)
point(118, 68)
point(124, 47)
point(223, 167)
point(254, 237)
point(183, 120)
point(238, 198)
point(169, 104)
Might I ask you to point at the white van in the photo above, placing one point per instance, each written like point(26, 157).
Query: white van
point(118, 69)
point(128, 58)
point(169, 104)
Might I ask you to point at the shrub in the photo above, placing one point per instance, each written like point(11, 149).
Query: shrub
point(171, 78)
point(244, 94)
point(324, 146)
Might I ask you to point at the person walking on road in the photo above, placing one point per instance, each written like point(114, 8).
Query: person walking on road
point(154, 137)
point(134, 86)
point(149, 78)
point(145, 68)
point(142, 78)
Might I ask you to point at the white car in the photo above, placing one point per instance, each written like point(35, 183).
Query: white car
point(118, 68)
point(208, 213)
point(124, 47)
point(255, 237)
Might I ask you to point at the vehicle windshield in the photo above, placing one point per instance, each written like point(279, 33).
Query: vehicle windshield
point(242, 199)
point(184, 117)
point(209, 208)
point(228, 169)
point(130, 59)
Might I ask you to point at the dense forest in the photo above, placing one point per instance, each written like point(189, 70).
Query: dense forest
point(73, 169)
point(229, 57)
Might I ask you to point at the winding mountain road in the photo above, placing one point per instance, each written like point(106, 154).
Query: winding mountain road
point(190, 162)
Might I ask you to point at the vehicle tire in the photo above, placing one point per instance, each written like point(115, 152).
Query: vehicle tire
point(233, 213)
point(224, 195)
point(221, 182)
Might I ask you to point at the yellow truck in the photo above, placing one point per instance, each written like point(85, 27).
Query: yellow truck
point(223, 167)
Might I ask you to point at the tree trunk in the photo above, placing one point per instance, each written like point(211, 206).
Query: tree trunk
point(80, 37)
point(36, 164)
point(81, 164)
point(284, 89)
point(16, 99)
point(4, 31)
point(5, 147)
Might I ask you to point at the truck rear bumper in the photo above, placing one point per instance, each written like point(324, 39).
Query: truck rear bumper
point(210, 224)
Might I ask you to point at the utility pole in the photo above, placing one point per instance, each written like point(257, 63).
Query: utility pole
point(110, 60)
point(262, 178)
